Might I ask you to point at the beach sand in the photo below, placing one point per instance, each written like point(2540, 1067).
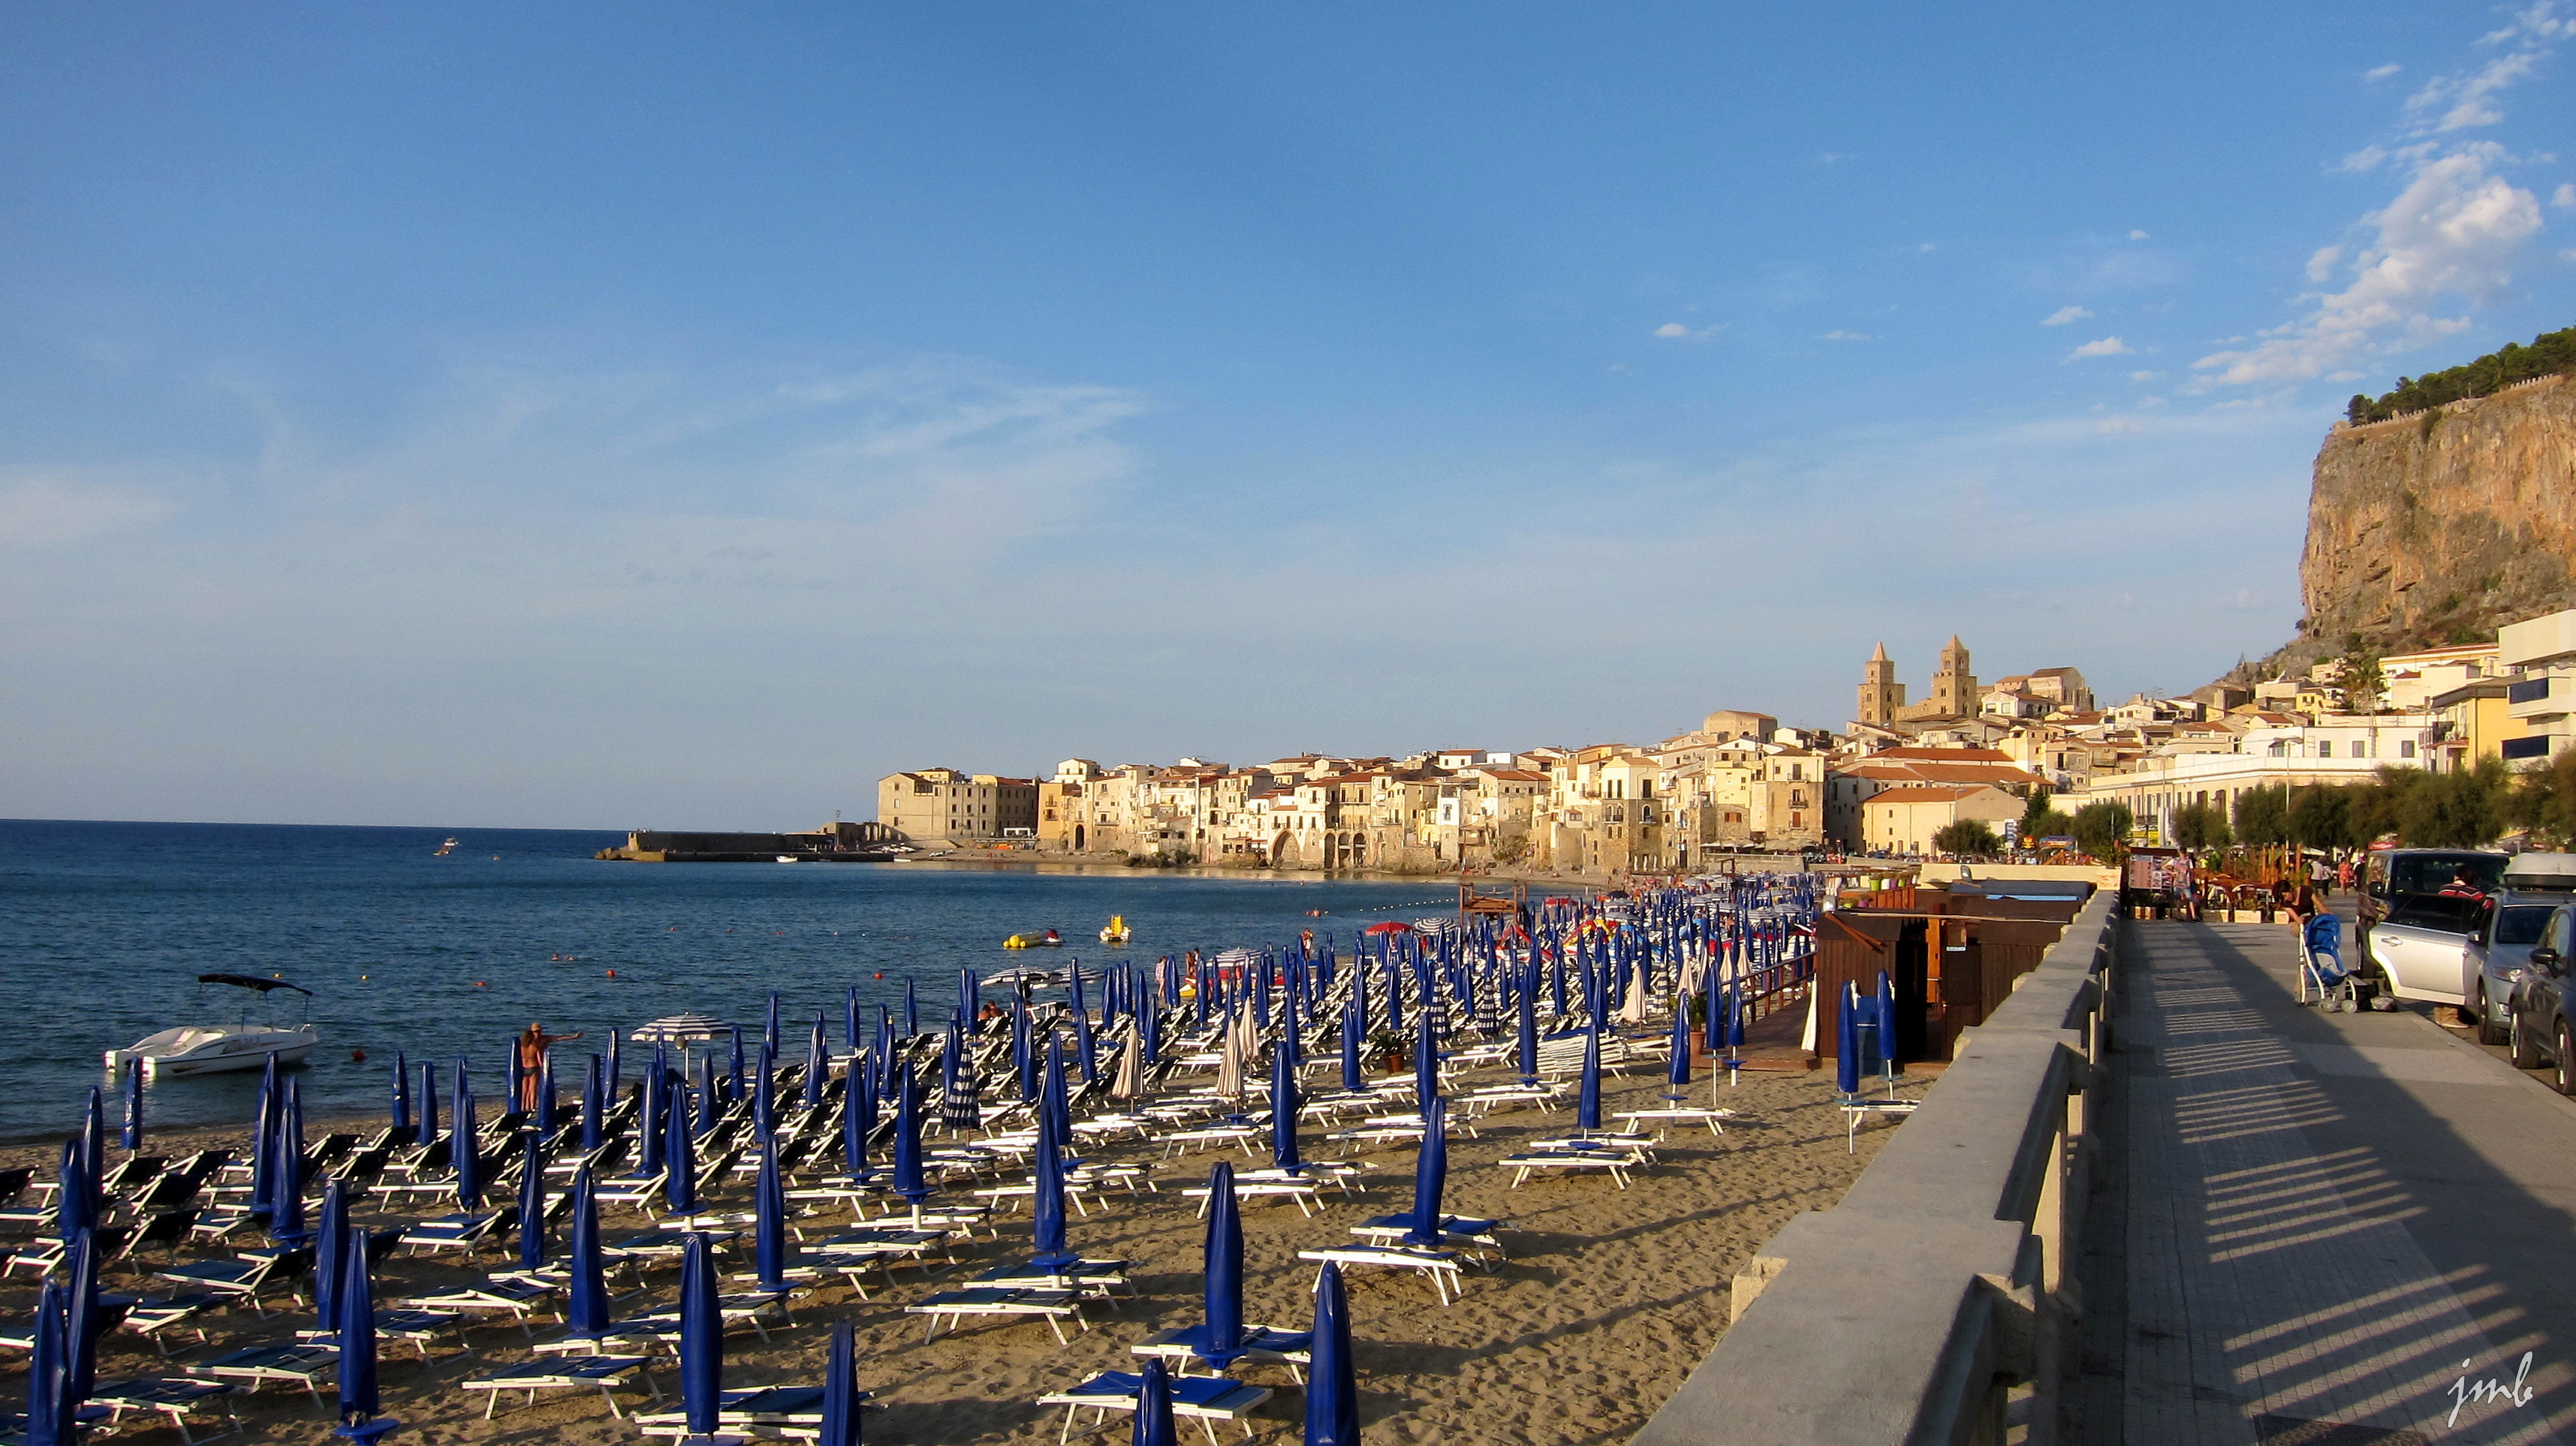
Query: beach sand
point(1609, 1297)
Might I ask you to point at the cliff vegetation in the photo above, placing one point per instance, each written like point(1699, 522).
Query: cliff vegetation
point(2550, 353)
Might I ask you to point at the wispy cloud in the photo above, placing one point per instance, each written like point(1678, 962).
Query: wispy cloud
point(2451, 235)
point(45, 508)
point(2107, 346)
point(2564, 198)
point(2138, 236)
point(2381, 72)
point(1675, 331)
point(2064, 314)
point(1839, 334)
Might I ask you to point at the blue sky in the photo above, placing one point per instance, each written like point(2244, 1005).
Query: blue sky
point(665, 416)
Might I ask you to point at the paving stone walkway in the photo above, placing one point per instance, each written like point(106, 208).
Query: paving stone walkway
point(2324, 1227)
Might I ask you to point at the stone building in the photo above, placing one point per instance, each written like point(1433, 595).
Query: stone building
point(942, 805)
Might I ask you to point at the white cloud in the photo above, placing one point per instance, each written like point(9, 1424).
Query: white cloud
point(42, 508)
point(2466, 100)
point(2065, 314)
point(1929, 246)
point(2381, 72)
point(1827, 158)
point(1840, 335)
point(2365, 159)
point(2107, 346)
point(2321, 265)
point(1679, 332)
point(2453, 232)
point(2144, 376)
point(1672, 328)
point(2137, 235)
point(2564, 197)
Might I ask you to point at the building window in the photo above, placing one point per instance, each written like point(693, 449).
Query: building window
point(2406, 749)
point(2325, 748)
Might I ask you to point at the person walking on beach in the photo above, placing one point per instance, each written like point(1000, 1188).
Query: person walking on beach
point(532, 1062)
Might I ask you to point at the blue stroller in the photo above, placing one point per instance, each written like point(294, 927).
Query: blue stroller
point(2321, 965)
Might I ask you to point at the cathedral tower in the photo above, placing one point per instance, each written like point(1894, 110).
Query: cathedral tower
point(1880, 694)
point(1954, 688)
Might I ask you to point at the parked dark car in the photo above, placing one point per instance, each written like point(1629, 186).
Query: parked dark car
point(2539, 1031)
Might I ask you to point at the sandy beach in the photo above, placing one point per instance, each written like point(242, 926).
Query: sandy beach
point(1607, 1300)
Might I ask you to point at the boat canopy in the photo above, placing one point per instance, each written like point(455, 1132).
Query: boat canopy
point(249, 981)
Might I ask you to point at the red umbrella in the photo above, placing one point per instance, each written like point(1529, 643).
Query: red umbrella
point(1389, 927)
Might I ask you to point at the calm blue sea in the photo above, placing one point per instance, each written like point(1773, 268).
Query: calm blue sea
point(105, 926)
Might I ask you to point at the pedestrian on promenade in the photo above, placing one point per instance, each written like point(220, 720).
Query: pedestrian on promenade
point(532, 1062)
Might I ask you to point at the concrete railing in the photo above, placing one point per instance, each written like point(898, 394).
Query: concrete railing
point(1911, 1311)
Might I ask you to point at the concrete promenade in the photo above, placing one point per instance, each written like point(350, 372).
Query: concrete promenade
point(2310, 1227)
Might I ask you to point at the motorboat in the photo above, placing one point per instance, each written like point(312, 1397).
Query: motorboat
point(1116, 930)
point(210, 1048)
point(1035, 939)
point(447, 848)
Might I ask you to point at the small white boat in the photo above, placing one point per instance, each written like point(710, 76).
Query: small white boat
point(210, 1048)
point(789, 859)
point(447, 848)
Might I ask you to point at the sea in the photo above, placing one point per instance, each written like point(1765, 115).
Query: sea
point(104, 928)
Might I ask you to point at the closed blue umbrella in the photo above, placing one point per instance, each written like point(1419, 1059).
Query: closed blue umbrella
point(858, 1116)
point(732, 1083)
point(1587, 1103)
point(532, 1205)
point(908, 1181)
point(701, 1338)
point(591, 1102)
point(1284, 1106)
point(133, 1139)
point(1430, 1176)
point(970, 997)
point(402, 1095)
point(959, 1106)
point(708, 1098)
point(1047, 1208)
point(911, 1011)
point(841, 1394)
point(1222, 1254)
point(769, 1221)
point(1352, 1078)
point(1024, 1061)
point(545, 1120)
point(1525, 1005)
point(75, 1209)
point(850, 1018)
point(330, 1232)
point(1154, 1425)
point(679, 1159)
point(1426, 1063)
point(49, 1413)
point(461, 1146)
point(425, 1129)
point(769, 1034)
point(1085, 1049)
point(764, 1104)
point(586, 1312)
point(286, 1214)
point(648, 1123)
point(1332, 1381)
point(1847, 1042)
point(818, 1058)
point(359, 1399)
point(1716, 1027)
point(1679, 1074)
point(263, 1137)
point(613, 1076)
point(83, 1318)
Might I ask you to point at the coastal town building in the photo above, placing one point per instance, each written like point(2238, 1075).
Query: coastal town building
point(942, 805)
point(2541, 656)
point(1905, 819)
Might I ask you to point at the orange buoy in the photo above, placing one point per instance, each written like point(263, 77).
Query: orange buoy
point(612, 973)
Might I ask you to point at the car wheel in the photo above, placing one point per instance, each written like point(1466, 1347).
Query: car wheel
point(2566, 1061)
point(2490, 1028)
point(2525, 1055)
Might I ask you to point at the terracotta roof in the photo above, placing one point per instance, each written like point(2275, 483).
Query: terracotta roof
point(1940, 794)
point(1947, 755)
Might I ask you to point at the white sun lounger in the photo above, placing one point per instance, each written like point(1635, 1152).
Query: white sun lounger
point(601, 1373)
point(174, 1398)
point(1440, 1265)
point(1617, 1162)
point(1205, 1399)
point(1671, 1115)
point(952, 1306)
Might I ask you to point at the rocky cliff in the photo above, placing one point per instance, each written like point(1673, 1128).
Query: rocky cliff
point(2439, 526)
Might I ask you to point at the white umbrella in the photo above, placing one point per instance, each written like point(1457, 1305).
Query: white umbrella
point(1229, 1070)
point(1130, 1082)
